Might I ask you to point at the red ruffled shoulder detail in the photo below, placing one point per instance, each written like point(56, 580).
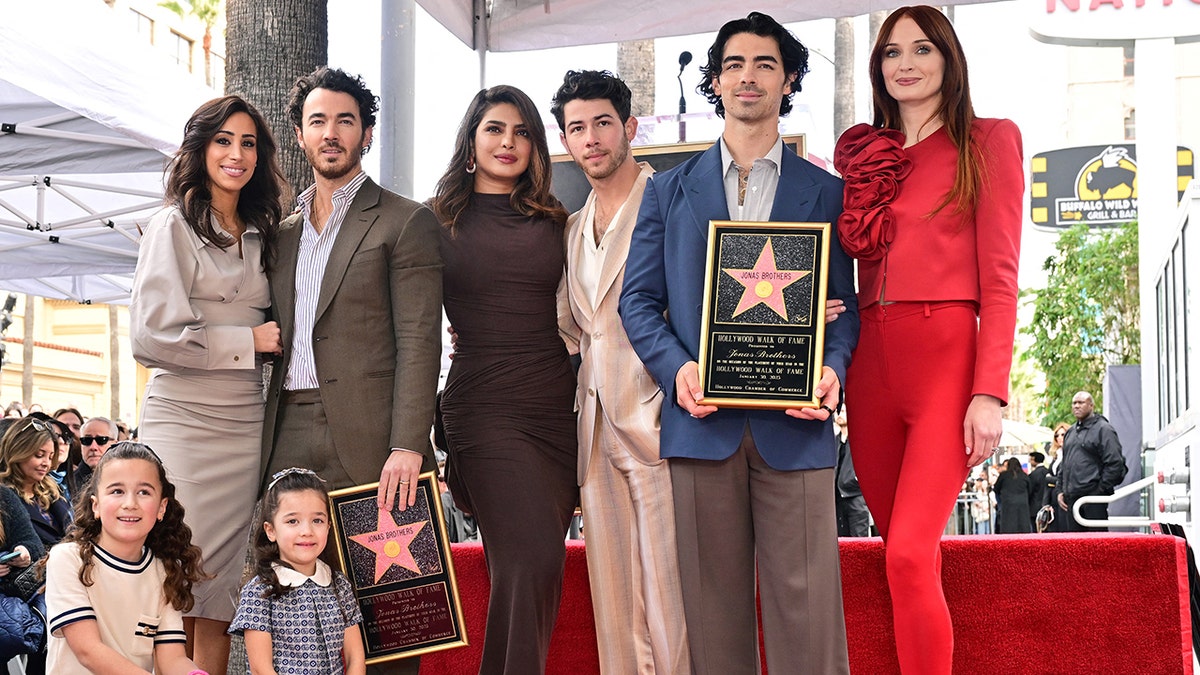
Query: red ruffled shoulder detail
point(872, 163)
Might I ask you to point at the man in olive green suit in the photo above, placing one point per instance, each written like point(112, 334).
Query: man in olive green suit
point(356, 286)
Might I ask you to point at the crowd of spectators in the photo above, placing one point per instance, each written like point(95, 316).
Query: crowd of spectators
point(45, 460)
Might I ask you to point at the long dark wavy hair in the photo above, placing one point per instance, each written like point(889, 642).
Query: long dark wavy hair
point(261, 200)
point(531, 196)
point(266, 552)
point(791, 50)
point(1014, 465)
point(170, 540)
point(955, 111)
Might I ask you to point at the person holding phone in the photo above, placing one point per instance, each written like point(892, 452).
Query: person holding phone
point(28, 452)
point(19, 543)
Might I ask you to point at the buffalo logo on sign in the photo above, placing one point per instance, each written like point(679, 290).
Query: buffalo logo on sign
point(1096, 185)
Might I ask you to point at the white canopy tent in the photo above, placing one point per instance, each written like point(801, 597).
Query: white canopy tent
point(87, 123)
point(87, 120)
point(517, 25)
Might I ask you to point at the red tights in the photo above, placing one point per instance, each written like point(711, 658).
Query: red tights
point(907, 392)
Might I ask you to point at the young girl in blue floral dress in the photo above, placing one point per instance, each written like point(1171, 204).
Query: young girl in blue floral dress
point(293, 587)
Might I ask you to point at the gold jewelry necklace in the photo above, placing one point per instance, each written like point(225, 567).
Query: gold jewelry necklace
point(235, 230)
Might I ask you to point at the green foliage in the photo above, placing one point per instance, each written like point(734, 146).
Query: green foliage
point(206, 10)
point(1087, 317)
point(1024, 387)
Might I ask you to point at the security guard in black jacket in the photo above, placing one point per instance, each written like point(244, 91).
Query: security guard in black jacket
point(1092, 463)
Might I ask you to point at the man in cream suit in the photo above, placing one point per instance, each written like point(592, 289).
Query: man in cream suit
point(356, 286)
point(625, 488)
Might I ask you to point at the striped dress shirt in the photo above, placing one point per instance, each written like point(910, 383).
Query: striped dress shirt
point(310, 269)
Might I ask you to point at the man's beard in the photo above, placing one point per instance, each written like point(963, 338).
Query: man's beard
point(609, 168)
point(336, 170)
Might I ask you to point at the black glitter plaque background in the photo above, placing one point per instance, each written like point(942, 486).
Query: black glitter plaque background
point(361, 516)
point(768, 354)
point(792, 252)
point(405, 613)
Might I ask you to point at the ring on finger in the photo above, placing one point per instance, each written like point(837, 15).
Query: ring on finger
point(403, 482)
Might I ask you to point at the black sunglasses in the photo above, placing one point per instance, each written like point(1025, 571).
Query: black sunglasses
point(100, 440)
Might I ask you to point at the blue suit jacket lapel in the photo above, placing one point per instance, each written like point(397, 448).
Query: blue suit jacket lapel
point(704, 189)
point(797, 195)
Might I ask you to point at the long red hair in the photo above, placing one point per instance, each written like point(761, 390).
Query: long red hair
point(955, 111)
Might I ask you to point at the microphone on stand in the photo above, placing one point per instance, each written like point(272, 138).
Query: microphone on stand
point(684, 59)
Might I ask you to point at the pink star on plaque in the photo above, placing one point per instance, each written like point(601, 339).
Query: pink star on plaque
point(765, 283)
point(390, 543)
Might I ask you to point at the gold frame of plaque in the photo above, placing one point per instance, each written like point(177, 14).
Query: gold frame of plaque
point(401, 572)
point(762, 331)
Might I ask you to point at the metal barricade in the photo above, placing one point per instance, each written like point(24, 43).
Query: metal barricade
point(966, 507)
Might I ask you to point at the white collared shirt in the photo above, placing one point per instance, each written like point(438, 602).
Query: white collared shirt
point(311, 261)
point(760, 186)
point(591, 260)
point(291, 578)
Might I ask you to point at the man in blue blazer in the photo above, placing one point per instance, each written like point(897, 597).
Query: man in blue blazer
point(750, 486)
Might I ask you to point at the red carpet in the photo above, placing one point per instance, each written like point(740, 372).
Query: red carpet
point(1022, 605)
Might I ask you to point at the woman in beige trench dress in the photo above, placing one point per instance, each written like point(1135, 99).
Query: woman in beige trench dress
point(199, 317)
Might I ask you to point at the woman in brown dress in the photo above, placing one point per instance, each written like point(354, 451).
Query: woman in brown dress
point(508, 402)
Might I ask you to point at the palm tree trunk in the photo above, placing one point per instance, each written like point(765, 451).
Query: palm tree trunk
point(635, 65)
point(27, 352)
point(875, 20)
point(208, 79)
point(114, 362)
point(269, 44)
point(843, 75)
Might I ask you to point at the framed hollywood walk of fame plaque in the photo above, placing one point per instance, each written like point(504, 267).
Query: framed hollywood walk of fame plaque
point(762, 334)
point(399, 565)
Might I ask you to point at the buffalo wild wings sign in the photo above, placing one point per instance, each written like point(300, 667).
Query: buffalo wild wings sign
point(1095, 184)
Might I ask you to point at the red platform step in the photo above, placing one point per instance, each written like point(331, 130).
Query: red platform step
point(1032, 604)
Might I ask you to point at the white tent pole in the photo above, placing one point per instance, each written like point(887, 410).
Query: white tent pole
point(75, 136)
point(74, 239)
point(61, 290)
point(100, 217)
point(481, 38)
point(80, 244)
point(16, 182)
point(107, 188)
point(50, 119)
point(40, 186)
point(25, 221)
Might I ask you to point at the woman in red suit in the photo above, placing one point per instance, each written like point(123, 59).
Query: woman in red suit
point(933, 215)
